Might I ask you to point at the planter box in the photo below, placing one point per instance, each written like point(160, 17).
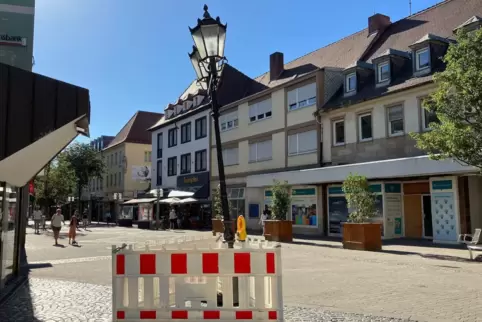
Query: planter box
point(218, 226)
point(124, 222)
point(365, 236)
point(278, 230)
point(144, 224)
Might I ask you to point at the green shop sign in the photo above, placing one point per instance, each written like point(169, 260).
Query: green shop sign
point(442, 185)
point(393, 187)
point(268, 193)
point(303, 192)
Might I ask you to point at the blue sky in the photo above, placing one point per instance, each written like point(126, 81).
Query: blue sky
point(132, 54)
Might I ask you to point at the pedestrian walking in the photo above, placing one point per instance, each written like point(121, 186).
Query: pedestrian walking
point(264, 216)
point(172, 219)
point(56, 222)
point(73, 228)
point(37, 219)
point(84, 219)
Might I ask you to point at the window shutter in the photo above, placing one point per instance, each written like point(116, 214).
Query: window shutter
point(292, 97)
point(293, 144)
point(264, 106)
point(306, 92)
point(264, 150)
point(252, 152)
point(253, 111)
point(307, 141)
point(395, 113)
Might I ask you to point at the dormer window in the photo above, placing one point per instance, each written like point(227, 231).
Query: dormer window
point(383, 71)
point(350, 85)
point(422, 59)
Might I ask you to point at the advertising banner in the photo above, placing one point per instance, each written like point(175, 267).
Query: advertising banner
point(141, 173)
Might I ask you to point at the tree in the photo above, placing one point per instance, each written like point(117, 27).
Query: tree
point(217, 206)
point(359, 198)
point(457, 102)
point(57, 183)
point(85, 163)
point(281, 200)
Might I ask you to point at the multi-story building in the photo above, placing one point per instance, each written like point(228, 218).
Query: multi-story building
point(128, 162)
point(16, 33)
point(181, 138)
point(349, 107)
point(93, 193)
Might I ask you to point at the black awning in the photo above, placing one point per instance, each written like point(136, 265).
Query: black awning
point(203, 192)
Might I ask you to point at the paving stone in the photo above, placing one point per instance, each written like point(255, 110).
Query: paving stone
point(62, 301)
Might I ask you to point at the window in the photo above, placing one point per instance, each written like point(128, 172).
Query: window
point(159, 145)
point(172, 166)
point(428, 116)
point(261, 151)
point(111, 183)
point(201, 128)
point(395, 120)
point(339, 132)
point(115, 158)
point(301, 143)
point(119, 179)
point(115, 180)
point(365, 127)
point(350, 83)
point(186, 133)
point(201, 160)
point(228, 121)
point(302, 97)
point(236, 201)
point(260, 111)
point(101, 183)
point(111, 160)
point(422, 59)
point(172, 138)
point(159, 172)
point(147, 156)
point(186, 163)
point(230, 156)
point(383, 72)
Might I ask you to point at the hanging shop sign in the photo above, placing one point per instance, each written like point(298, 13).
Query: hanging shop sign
point(7, 40)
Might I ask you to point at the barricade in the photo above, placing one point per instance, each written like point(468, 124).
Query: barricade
point(196, 284)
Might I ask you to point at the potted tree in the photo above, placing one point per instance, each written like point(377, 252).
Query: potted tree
point(217, 217)
point(360, 232)
point(278, 228)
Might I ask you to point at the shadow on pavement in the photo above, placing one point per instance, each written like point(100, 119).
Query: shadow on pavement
point(17, 305)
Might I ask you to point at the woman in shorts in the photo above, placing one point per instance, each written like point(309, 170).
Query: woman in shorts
point(56, 222)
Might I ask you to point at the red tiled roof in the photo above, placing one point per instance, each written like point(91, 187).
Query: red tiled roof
point(135, 130)
point(439, 20)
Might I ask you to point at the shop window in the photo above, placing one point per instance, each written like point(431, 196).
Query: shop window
point(236, 197)
point(304, 206)
point(8, 216)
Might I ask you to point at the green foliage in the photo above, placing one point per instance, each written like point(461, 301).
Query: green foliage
point(281, 201)
point(359, 197)
point(57, 183)
point(457, 103)
point(218, 206)
point(85, 162)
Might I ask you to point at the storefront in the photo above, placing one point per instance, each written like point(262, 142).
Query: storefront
point(195, 182)
point(338, 210)
point(39, 117)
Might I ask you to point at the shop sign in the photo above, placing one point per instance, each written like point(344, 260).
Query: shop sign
point(442, 185)
point(193, 180)
point(7, 40)
point(393, 187)
point(335, 191)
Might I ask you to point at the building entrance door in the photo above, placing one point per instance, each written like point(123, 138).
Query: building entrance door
point(412, 205)
point(427, 216)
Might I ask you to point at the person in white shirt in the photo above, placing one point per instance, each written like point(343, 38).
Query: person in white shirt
point(172, 218)
point(37, 219)
point(264, 216)
point(56, 222)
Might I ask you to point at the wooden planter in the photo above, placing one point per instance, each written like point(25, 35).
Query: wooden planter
point(278, 230)
point(218, 226)
point(365, 236)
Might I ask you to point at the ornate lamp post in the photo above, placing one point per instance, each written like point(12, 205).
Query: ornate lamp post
point(208, 60)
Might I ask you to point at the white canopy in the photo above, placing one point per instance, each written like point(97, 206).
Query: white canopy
point(188, 200)
point(180, 194)
point(171, 200)
point(144, 200)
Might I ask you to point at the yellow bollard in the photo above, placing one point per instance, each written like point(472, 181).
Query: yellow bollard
point(241, 232)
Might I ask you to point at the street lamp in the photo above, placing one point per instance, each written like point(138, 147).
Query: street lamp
point(208, 60)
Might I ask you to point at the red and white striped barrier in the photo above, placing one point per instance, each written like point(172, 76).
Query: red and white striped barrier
point(184, 284)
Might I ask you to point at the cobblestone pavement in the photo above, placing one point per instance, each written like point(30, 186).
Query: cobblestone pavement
point(406, 282)
point(61, 301)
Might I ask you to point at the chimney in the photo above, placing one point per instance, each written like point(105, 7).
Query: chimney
point(378, 23)
point(276, 65)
